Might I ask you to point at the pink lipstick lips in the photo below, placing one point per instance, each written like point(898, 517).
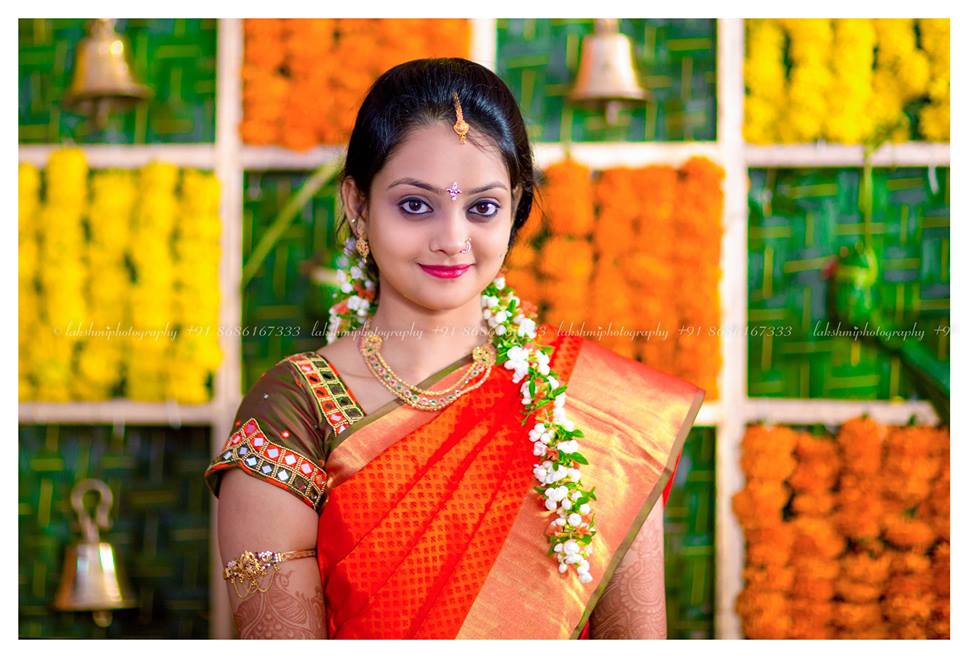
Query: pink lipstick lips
point(444, 272)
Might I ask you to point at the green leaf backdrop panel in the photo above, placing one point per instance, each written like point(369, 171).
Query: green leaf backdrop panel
point(161, 526)
point(798, 220)
point(676, 59)
point(177, 58)
point(283, 312)
point(689, 520)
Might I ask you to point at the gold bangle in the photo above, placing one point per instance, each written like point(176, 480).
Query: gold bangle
point(247, 569)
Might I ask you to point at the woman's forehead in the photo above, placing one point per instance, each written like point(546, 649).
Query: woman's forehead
point(435, 152)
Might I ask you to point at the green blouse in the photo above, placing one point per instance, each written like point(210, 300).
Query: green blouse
point(290, 421)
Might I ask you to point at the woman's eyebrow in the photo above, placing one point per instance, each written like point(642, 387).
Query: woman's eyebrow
point(435, 190)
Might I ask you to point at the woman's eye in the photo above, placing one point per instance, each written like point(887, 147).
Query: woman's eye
point(486, 208)
point(414, 206)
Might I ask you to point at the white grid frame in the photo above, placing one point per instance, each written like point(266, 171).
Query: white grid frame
point(229, 158)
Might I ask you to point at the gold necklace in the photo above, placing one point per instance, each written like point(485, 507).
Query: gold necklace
point(484, 358)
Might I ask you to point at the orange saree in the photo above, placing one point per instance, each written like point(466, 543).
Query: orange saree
point(431, 527)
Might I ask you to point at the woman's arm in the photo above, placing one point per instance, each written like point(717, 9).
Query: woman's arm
point(634, 604)
point(253, 515)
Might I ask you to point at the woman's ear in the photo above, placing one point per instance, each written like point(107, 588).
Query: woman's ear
point(354, 204)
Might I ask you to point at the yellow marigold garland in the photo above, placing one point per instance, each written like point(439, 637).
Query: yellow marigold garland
point(834, 90)
point(811, 79)
point(28, 198)
point(63, 276)
point(196, 297)
point(849, 98)
point(765, 80)
point(85, 232)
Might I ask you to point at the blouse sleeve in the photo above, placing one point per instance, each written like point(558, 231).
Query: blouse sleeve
point(278, 436)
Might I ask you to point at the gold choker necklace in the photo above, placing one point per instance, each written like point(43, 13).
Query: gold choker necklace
point(484, 358)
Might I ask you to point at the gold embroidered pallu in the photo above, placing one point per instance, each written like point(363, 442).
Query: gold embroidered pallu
point(429, 526)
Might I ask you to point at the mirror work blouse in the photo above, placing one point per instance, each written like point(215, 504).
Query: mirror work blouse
point(286, 425)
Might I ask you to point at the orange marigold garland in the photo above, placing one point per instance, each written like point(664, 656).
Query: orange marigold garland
point(603, 252)
point(303, 79)
point(832, 548)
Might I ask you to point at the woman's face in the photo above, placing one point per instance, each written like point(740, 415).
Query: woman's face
point(413, 222)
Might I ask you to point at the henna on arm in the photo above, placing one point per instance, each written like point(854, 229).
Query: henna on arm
point(282, 612)
point(253, 516)
point(633, 606)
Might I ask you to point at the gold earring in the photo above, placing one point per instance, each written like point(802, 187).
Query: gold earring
point(362, 247)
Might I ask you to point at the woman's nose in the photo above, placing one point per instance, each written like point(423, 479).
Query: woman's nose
point(451, 232)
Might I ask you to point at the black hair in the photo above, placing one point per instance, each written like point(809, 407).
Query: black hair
point(419, 92)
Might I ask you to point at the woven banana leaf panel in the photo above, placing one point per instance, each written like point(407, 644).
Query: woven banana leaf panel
point(689, 539)
point(676, 60)
point(176, 58)
point(798, 221)
point(161, 526)
point(286, 302)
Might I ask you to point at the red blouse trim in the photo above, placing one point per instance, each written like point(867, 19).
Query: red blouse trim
point(249, 449)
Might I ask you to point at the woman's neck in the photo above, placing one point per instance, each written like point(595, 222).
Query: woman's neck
point(416, 345)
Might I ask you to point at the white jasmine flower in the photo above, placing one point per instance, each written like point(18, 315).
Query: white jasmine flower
point(575, 520)
point(558, 548)
point(501, 317)
point(539, 449)
point(527, 328)
point(517, 359)
point(584, 567)
point(566, 503)
point(559, 415)
point(487, 314)
point(501, 330)
point(356, 272)
point(574, 475)
point(568, 446)
point(499, 282)
point(560, 400)
point(585, 508)
point(562, 568)
point(571, 547)
point(585, 578)
point(550, 504)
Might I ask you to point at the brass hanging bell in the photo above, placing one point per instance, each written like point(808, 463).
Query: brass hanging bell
point(103, 81)
point(93, 578)
point(607, 74)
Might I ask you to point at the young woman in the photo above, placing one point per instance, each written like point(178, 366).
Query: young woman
point(446, 468)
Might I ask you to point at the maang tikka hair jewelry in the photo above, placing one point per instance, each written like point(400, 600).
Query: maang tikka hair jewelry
point(461, 127)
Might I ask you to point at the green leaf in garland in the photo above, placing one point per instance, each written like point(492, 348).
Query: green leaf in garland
point(577, 457)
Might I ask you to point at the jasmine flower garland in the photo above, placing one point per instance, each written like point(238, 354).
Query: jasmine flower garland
point(554, 436)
